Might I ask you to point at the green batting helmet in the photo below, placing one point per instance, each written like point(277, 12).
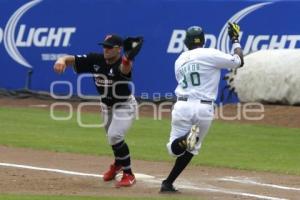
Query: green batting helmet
point(194, 37)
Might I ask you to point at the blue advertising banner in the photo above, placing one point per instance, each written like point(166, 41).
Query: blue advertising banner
point(33, 34)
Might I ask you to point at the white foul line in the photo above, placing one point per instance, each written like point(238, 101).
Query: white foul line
point(49, 170)
point(142, 177)
point(219, 190)
point(236, 193)
point(248, 181)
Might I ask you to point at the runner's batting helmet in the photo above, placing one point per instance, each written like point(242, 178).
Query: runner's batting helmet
point(194, 37)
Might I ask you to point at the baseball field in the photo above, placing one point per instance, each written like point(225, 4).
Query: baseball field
point(42, 158)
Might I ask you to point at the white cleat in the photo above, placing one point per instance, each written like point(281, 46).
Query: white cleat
point(192, 138)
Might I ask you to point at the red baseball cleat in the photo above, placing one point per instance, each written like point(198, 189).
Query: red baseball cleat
point(112, 172)
point(126, 180)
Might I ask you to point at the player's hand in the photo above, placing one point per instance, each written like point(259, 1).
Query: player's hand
point(132, 46)
point(233, 32)
point(59, 66)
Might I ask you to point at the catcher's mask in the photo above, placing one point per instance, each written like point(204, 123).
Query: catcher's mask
point(194, 37)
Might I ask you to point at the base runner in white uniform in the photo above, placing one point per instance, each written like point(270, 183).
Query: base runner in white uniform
point(197, 73)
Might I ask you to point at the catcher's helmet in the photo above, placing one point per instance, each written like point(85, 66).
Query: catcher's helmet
point(194, 37)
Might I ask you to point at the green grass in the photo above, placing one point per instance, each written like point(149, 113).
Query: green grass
point(250, 147)
point(31, 197)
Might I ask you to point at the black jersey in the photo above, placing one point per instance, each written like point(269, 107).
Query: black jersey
point(109, 80)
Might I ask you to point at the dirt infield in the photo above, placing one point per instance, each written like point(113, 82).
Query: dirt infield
point(197, 182)
point(204, 182)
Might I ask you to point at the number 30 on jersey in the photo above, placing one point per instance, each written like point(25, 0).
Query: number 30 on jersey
point(191, 79)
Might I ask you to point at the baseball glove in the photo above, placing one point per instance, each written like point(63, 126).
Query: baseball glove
point(132, 46)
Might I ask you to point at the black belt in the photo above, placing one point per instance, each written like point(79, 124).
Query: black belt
point(201, 101)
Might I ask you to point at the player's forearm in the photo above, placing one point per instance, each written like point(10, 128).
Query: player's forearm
point(62, 63)
point(68, 60)
point(239, 51)
point(126, 65)
point(233, 32)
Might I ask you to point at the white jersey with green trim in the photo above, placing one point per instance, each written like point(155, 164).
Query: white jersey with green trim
point(198, 72)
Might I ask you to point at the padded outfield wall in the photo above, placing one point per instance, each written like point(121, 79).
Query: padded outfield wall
point(34, 33)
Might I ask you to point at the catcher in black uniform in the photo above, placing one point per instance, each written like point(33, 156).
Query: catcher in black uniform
point(112, 75)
